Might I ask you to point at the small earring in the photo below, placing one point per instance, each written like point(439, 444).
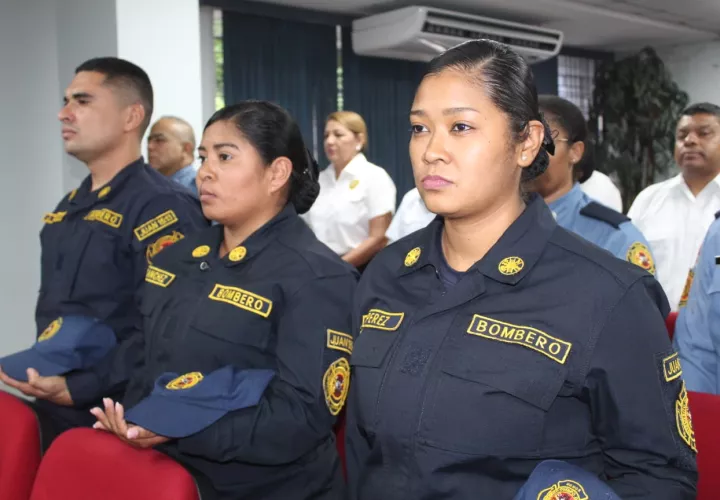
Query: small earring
point(524, 157)
point(358, 148)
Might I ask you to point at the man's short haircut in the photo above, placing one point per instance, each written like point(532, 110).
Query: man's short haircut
point(702, 108)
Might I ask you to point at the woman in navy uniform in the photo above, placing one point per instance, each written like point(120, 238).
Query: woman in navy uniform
point(494, 339)
point(256, 292)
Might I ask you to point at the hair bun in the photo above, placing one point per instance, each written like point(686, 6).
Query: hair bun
point(542, 159)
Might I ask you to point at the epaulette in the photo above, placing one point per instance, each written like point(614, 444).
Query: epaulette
point(599, 211)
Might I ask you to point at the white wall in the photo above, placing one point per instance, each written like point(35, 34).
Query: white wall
point(696, 69)
point(32, 158)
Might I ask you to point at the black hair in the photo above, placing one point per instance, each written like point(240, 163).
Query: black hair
point(569, 117)
point(698, 108)
point(274, 133)
point(508, 82)
point(126, 76)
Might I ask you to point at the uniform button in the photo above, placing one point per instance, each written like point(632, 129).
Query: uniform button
point(204, 266)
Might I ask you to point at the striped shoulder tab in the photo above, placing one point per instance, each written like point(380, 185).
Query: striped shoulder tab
point(600, 212)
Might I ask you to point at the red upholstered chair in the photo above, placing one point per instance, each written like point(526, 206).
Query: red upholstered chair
point(85, 464)
point(705, 411)
point(20, 448)
point(670, 323)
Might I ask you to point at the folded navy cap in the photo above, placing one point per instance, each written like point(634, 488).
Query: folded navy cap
point(557, 480)
point(68, 343)
point(181, 405)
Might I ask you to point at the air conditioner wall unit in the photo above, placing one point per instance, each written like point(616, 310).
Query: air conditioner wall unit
point(420, 33)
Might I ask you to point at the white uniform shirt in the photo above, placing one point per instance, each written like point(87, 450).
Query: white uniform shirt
point(675, 222)
point(340, 217)
point(601, 188)
point(412, 214)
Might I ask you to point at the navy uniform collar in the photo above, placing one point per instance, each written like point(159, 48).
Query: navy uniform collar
point(509, 260)
point(82, 197)
point(208, 243)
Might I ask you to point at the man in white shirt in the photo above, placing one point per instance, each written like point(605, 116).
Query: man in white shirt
point(601, 188)
point(411, 215)
point(675, 214)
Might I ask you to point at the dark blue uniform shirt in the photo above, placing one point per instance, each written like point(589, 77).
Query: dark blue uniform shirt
point(281, 301)
point(95, 250)
point(548, 347)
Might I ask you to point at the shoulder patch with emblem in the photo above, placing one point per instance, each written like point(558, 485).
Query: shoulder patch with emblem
point(185, 381)
point(382, 320)
point(339, 341)
point(525, 336)
point(54, 217)
point(688, 285)
point(155, 225)
point(564, 490)
point(51, 330)
point(605, 214)
point(162, 243)
point(640, 255)
point(158, 276)
point(683, 419)
point(336, 383)
point(105, 216)
point(242, 299)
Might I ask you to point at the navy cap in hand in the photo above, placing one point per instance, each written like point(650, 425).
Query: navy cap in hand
point(68, 343)
point(183, 405)
point(557, 480)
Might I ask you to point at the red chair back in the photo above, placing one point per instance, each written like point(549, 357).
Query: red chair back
point(670, 324)
point(85, 464)
point(705, 411)
point(20, 448)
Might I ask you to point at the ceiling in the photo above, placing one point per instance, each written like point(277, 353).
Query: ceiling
point(615, 25)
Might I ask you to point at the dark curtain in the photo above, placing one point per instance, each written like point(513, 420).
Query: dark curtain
point(382, 91)
point(289, 62)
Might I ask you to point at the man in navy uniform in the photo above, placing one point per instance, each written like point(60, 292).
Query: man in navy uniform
point(96, 244)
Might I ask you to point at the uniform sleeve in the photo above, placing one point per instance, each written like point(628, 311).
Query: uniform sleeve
point(382, 196)
point(639, 405)
point(164, 221)
point(299, 406)
point(694, 339)
point(629, 244)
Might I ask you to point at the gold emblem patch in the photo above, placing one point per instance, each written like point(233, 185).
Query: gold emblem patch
point(382, 320)
point(104, 192)
point(158, 277)
point(671, 367)
point(51, 330)
point(185, 381)
point(162, 243)
point(165, 219)
point(526, 336)
point(54, 217)
point(564, 490)
point(640, 255)
point(242, 299)
point(237, 254)
point(201, 251)
point(683, 419)
point(511, 265)
point(354, 183)
point(686, 289)
point(336, 383)
point(412, 256)
point(105, 216)
point(339, 341)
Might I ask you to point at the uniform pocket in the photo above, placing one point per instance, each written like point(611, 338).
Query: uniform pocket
point(233, 325)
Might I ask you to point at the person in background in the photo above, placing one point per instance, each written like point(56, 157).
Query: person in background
point(601, 188)
point(411, 215)
point(247, 325)
point(674, 215)
point(357, 198)
point(573, 209)
point(493, 339)
point(171, 150)
point(697, 337)
point(97, 243)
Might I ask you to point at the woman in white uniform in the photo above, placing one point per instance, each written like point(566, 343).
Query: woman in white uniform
point(357, 198)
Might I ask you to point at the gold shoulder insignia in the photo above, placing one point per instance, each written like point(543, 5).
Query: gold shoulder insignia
point(511, 265)
point(155, 225)
point(162, 243)
point(336, 383)
point(412, 256)
point(54, 217)
point(185, 381)
point(201, 251)
point(640, 255)
point(237, 254)
point(683, 419)
point(51, 330)
point(564, 490)
point(104, 192)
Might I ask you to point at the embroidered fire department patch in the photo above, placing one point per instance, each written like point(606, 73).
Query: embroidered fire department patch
point(412, 256)
point(639, 255)
point(564, 490)
point(511, 265)
point(51, 330)
point(185, 381)
point(162, 243)
point(336, 384)
point(686, 289)
point(683, 419)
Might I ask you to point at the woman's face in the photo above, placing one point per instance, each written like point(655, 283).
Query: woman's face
point(233, 181)
point(463, 157)
point(341, 143)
